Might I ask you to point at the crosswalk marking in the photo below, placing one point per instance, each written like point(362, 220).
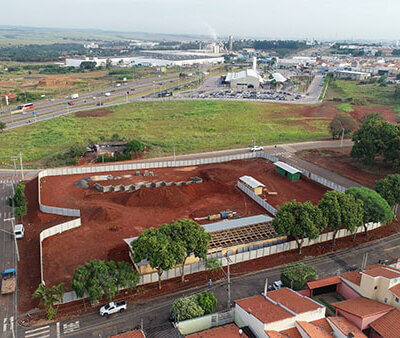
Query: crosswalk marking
point(70, 327)
point(4, 324)
point(40, 332)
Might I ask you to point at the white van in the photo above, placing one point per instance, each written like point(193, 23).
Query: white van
point(19, 231)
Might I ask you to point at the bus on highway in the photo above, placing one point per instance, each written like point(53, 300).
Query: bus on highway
point(22, 108)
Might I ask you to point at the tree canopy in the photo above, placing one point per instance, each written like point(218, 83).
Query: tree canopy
point(376, 208)
point(18, 200)
point(299, 220)
point(157, 247)
point(341, 210)
point(48, 296)
point(171, 245)
point(2, 126)
point(377, 137)
point(194, 306)
point(135, 145)
point(342, 122)
point(389, 189)
point(103, 279)
point(296, 275)
point(191, 236)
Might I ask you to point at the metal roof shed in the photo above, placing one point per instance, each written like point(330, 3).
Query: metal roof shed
point(252, 184)
point(288, 171)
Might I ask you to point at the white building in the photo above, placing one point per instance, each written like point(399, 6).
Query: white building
point(144, 61)
point(277, 311)
point(248, 78)
point(351, 75)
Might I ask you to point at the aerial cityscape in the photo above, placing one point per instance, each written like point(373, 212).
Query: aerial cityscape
point(199, 169)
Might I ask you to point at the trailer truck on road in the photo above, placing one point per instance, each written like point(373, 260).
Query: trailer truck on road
point(8, 281)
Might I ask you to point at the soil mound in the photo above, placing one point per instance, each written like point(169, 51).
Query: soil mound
point(94, 113)
point(103, 213)
point(170, 197)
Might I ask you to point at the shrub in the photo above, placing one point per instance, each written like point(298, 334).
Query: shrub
point(186, 308)
point(207, 302)
point(297, 275)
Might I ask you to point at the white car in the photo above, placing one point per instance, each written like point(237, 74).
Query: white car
point(19, 231)
point(107, 94)
point(256, 148)
point(113, 307)
point(277, 285)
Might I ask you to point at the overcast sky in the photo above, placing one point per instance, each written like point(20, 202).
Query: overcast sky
point(321, 19)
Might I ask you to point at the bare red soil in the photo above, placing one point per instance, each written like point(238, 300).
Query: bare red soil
point(387, 113)
point(340, 161)
point(94, 113)
point(108, 218)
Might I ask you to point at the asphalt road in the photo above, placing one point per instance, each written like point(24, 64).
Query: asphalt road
point(7, 259)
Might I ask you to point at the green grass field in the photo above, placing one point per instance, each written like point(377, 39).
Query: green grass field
point(352, 92)
point(189, 125)
point(345, 108)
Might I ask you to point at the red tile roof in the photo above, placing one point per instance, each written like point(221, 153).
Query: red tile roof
point(322, 323)
point(383, 272)
point(275, 334)
point(346, 327)
point(291, 333)
point(388, 325)
point(131, 334)
point(353, 277)
point(396, 290)
point(319, 283)
point(263, 309)
point(226, 331)
point(293, 301)
point(362, 307)
point(313, 331)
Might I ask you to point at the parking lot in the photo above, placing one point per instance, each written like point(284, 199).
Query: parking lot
point(252, 94)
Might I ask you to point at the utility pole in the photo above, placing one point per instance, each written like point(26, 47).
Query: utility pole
point(14, 159)
point(341, 141)
point(22, 169)
point(266, 287)
point(228, 260)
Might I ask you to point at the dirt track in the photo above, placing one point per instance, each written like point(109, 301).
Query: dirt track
point(107, 218)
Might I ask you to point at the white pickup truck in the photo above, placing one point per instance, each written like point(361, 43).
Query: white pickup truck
point(113, 307)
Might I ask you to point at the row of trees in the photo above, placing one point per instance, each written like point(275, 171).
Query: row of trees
point(335, 211)
point(171, 245)
point(18, 200)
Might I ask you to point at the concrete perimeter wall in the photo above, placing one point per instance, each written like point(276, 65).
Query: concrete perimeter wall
point(165, 164)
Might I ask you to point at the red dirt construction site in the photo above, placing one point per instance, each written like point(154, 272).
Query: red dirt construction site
point(109, 217)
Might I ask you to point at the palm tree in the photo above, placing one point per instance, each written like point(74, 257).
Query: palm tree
point(49, 296)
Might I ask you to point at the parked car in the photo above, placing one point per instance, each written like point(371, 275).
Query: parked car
point(256, 148)
point(277, 285)
point(19, 231)
point(113, 307)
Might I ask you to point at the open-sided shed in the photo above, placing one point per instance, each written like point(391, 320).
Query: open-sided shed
point(252, 184)
point(287, 170)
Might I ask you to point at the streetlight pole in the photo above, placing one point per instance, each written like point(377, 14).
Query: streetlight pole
point(22, 169)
